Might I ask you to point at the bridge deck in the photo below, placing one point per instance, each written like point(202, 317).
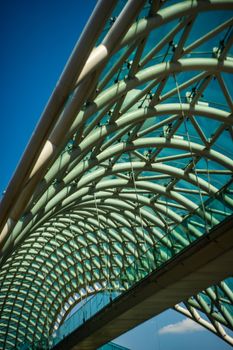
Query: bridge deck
point(186, 274)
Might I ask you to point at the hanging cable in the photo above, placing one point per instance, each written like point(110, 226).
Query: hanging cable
point(191, 152)
point(166, 222)
point(72, 244)
point(57, 258)
point(139, 211)
point(46, 295)
point(208, 177)
point(85, 287)
point(104, 283)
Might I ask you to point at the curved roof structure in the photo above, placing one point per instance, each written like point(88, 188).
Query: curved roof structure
point(136, 137)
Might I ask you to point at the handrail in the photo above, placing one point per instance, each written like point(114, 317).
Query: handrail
point(100, 300)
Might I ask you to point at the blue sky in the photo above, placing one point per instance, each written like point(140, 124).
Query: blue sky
point(171, 331)
point(37, 38)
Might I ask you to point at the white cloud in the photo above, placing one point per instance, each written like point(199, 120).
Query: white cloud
point(184, 326)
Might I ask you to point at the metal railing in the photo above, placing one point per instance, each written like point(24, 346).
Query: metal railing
point(195, 225)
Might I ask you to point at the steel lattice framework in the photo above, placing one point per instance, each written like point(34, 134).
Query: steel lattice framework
point(136, 137)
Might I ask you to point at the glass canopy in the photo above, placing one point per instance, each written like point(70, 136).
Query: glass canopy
point(136, 165)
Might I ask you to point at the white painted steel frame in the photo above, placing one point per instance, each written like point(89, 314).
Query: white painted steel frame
point(88, 200)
